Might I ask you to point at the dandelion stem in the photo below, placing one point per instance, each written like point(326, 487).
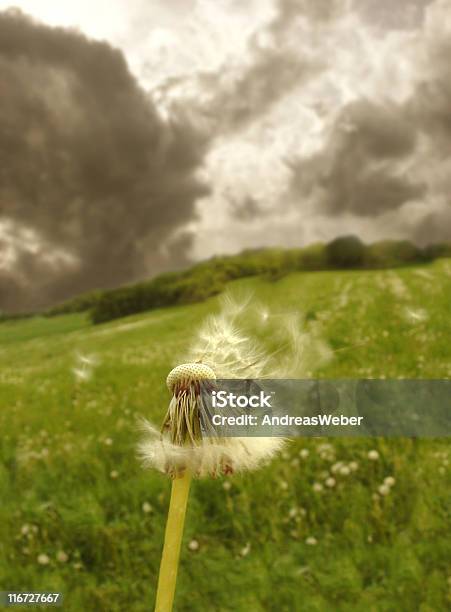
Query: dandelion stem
point(172, 542)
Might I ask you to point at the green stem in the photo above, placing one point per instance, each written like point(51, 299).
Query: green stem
point(172, 542)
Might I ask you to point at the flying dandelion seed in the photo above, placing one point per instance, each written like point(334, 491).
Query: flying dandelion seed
point(81, 374)
point(227, 346)
point(85, 365)
point(415, 315)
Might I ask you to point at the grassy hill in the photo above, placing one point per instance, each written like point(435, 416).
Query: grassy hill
point(78, 514)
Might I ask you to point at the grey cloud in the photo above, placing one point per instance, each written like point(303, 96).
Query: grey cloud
point(320, 11)
point(88, 165)
point(356, 171)
point(246, 209)
point(434, 227)
point(431, 103)
point(236, 95)
point(253, 91)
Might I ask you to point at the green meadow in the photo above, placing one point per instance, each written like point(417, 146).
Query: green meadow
point(339, 525)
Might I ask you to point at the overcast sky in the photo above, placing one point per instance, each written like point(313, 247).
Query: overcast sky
point(271, 122)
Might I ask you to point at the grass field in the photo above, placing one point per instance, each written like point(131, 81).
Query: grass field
point(316, 530)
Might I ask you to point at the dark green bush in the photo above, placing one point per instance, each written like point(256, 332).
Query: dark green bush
point(390, 253)
point(345, 252)
point(209, 277)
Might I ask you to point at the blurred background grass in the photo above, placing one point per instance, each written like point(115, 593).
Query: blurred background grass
point(315, 530)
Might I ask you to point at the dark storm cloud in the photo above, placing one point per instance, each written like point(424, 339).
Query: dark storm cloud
point(247, 209)
point(356, 171)
point(87, 165)
point(237, 95)
point(277, 68)
point(434, 227)
point(388, 14)
point(253, 91)
point(431, 104)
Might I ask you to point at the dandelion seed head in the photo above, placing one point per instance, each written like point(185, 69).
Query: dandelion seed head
point(311, 541)
point(373, 455)
point(389, 481)
point(229, 343)
point(330, 482)
point(187, 373)
point(226, 346)
point(208, 457)
point(43, 559)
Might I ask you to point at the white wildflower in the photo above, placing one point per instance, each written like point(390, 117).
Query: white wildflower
point(373, 455)
point(353, 466)
point(146, 508)
point(336, 467)
point(389, 481)
point(345, 470)
point(227, 485)
point(114, 474)
point(304, 453)
point(330, 482)
point(62, 556)
point(245, 550)
point(317, 487)
point(43, 559)
point(193, 545)
point(311, 541)
point(384, 490)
